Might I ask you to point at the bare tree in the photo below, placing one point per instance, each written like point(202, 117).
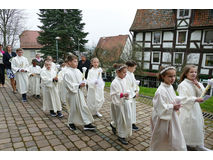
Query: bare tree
point(11, 25)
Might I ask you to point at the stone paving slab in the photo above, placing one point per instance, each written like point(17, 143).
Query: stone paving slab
point(25, 127)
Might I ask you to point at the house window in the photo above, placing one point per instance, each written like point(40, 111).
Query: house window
point(156, 57)
point(209, 60)
point(208, 36)
point(156, 37)
point(181, 37)
point(178, 58)
point(184, 13)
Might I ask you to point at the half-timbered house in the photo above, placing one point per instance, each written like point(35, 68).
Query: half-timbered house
point(173, 37)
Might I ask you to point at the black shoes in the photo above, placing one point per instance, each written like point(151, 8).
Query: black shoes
point(52, 113)
point(89, 127)
point(122, 140)
point(72, 127)
point(38, 96)
point(113, 129)
point(134, 127)
point(59, 114)
point(24, 97)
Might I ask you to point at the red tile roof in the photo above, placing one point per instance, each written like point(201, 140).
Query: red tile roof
point(202, 17)
point(28, 39)
point(147, 19)
point(111, 47)
point(153, 19)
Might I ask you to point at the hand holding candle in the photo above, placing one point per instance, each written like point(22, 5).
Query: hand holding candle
point(210, 84)
point(84, 71)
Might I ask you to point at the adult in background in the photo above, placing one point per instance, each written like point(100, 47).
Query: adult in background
point(7, 63)
point(39, 60)
point(84, 63)
point(2, 77)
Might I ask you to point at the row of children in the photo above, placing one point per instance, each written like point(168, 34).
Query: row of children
point(67, 86)
point(177, 121)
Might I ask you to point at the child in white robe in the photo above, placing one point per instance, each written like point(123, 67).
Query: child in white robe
point(79, 112)
point(191, 118)
point(95, 94)
point(134, 90)
point(53, 65)
point(51, 99)
point(34, 79)
point(61, 85)
point(166, 130)
point(20, 67)
point(120, 106)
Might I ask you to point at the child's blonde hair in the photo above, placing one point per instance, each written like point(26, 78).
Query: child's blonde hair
point(163, 72)
point(185, 71)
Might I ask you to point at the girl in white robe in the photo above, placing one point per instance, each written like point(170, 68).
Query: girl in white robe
point(166, 130)
point(49, 83)
point(120, 106)
point(34, 79)
point(20, 67)
point(79, 112)
point(191, 118)
point(95, 94)
point(134, 90)
point(61, 85)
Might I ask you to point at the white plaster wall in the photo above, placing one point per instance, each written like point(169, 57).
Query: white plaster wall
point(139, 36)
point(196, 35)
point(148, 36)
point(167, 57)
point(168, 36)
point(180, 46)
point(147, 45)
point(156, 46)
point(167, 44)
point(193, 58)
point(146, 65)
point(204, 71)
point(155, 67)
point(147, 56)
point(208, 47)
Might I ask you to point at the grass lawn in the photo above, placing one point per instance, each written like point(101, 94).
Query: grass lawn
point(206, 106)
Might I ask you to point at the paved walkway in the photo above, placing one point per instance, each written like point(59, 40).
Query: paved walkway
point(24, 126)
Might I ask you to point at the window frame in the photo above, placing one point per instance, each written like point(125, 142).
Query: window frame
point(178, 36)
point(204, 60)
point(183, 17)
point(153, 36)
point(204, 35)
point(153, 57)
point(174, 58)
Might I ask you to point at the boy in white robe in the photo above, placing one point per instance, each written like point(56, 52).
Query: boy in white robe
point(34, 79)
point(166, 130)
point(79, 112)
point(191, 118)
point(20, 67)
point(61, 85)
point(134, 90)
point(95, 94)
point(51, 99)
point(53, 65)
point(120, 106)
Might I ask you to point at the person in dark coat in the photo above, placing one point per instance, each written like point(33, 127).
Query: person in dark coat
point(2, 68)
point(7, 57)
point(84, 63)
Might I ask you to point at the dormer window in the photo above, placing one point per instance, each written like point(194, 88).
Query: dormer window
point(156, 38)
point(208, 36)
point(184, 13)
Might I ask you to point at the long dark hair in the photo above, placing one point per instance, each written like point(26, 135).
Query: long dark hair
point(185, 71)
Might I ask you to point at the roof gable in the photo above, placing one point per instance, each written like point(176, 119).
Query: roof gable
point(28, 39)
point(153, 19)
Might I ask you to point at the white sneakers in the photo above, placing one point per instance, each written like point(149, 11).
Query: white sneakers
point(98, 114)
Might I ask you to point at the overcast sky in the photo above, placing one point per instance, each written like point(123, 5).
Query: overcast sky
point(98, 22)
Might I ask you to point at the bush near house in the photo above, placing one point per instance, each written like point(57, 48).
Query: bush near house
point(206, 106)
